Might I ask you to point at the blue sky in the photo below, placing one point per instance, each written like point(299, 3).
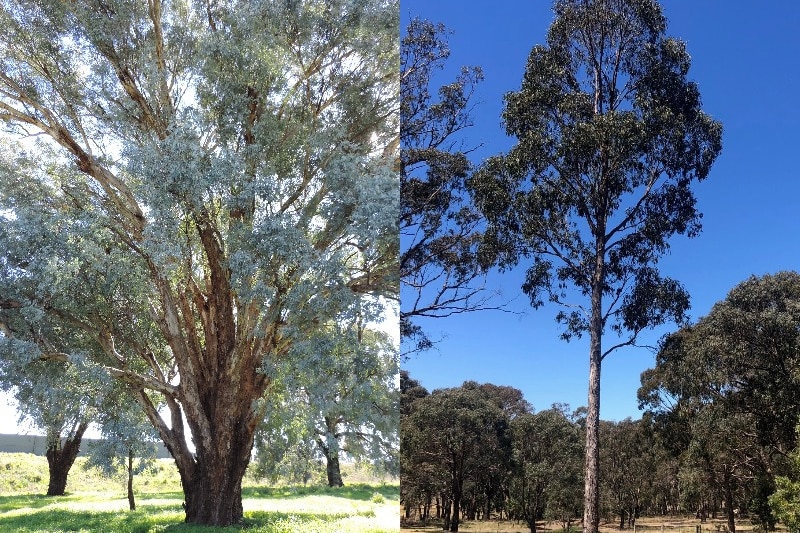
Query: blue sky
point(746, 62)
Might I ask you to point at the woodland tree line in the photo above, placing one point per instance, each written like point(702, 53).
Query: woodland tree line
point(717, 438)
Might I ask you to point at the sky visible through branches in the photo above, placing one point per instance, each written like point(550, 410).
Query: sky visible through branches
point(743, 58)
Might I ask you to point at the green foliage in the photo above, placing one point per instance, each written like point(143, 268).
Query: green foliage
point(724, 391)
point(457, 441)
point(339, 399)
point(439, 227)
point(784, 502)
point(209, 186)
point(610, 135)
point(603, 164)
point(547, 470)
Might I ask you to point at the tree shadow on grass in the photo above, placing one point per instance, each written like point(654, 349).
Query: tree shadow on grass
point(360, 491)
point(32, 501)
point(157, 517)
point(57, 519)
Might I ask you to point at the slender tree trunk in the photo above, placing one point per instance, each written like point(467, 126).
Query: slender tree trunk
point(729, 504)
point(458, 486)
point(61, 458)
point(591, 497)
point(591, 515)
point(131, 499)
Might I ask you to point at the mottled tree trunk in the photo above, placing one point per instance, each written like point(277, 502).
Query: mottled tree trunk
point(331, 459)
point(61, 458)
point(213, 491)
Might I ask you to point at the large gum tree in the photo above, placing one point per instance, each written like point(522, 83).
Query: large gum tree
point(611, 135)
point(196, 186)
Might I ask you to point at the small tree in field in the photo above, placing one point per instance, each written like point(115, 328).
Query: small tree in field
point(348, 406)
point(128, 441)
point(56, 397)
point(611, 136)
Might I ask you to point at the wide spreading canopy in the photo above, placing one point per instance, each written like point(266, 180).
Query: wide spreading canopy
point(191, 188)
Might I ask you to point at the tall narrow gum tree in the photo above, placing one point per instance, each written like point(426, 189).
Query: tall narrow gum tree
point(611, 136)
point(222, 183)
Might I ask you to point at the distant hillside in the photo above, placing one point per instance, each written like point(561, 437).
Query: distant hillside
point(37, 445)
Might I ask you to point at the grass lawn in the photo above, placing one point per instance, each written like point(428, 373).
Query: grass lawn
point(96, 504)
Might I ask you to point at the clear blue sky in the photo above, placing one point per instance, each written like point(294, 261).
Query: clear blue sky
point(746, 61)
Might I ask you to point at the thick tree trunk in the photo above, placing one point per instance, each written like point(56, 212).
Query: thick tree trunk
point(214, 491)
point(220, 384)
point(131, 499)
point(223, 426)
point(334, 472)
point(61, 458)
point(445, 513)
point(331, 460)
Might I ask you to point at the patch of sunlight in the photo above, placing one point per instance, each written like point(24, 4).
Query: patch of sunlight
point(106, 505)
point(308, 504)
point(387, 517)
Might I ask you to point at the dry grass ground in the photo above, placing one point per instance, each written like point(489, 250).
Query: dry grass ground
point(661, 524)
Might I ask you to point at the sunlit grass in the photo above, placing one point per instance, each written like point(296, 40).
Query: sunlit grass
point(354, 508)
point(265, 512)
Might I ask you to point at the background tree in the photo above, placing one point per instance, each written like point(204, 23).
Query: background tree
point(419, 484)
point(547, 467)
point(439, 230)
point(628, 457)
point(221, 184)
point(730, 381)
point(611, 136)
point(451, 433)
point(353, 405)
point(55, 396)
point(55, 399)
point(785, 501)
point(128, 442)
